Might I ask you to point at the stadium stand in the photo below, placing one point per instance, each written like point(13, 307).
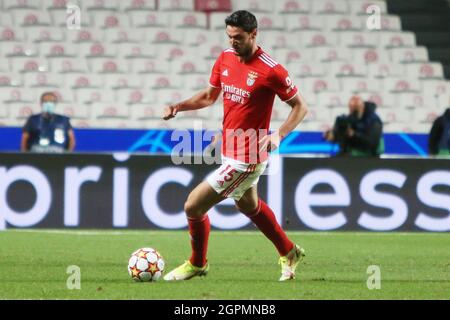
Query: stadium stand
point(129, 58)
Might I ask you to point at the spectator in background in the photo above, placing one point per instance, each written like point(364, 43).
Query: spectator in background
point(439, 138)
point(360, 133)
point(48, 131)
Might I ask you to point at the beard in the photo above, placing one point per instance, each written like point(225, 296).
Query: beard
point(243, 51)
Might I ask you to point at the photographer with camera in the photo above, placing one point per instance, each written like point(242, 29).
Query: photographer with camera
point(360, 133)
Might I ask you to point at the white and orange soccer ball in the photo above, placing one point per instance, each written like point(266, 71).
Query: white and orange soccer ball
point(146, 264)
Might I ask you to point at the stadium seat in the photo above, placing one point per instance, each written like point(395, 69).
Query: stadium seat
point(19, 49)
point(8, 79)
point(124, 81)
point(90, 95)
point(169, 96)
point(53, 5)
point(63, 65)
point(177, 5)
point(217, 20)
point(133, 5)
point(306, 70)
point(269, 21)
point(163, 81)
point(409, 55)
point(370, 56)
point(320, 84)
point(58, 50)
point(293, 7)
point(329, 7)
point(64, 95)
point(75, 111)
point(150, 19)
point(148, 66)
point(358, 39)
point(135, 96)
point(31, 18)
point(429, 70)
point(45, 34)
point(124, 36)
point(189, 20)
point(11, 34)
point(145, 112)
point(17, 95)
point(390, 23)
point(359, 7)
point(76, 81)
point(197, 37)
point(334, 99)
point(189, 65)
point(397, 39)
point(20, 4)
point(6, 19)
point(25, 64)
point(359, 84)
point(317, 39)
point(97, 50)
point(100, 5)
point(444, 101)
point(398, 85)
point(330, 54)
point(386, 70)
point(109, 111)
point(86, 35)
point(161, 36)
point(256, 6)
point(137, 50)
point(195, 82)
point(397, 115)
point(21, 111)
point(41, 79)
point(384, 100)
point(4, 66)
point(109, 66)
point(300, 22)
point(211, 51)
point(319, 113)
point(348, 69)
point(415, 100)
point(271, 39)
point(436, 87)
point(171, 52)
point(286, 56)
point(344, 23)
point(109, 20)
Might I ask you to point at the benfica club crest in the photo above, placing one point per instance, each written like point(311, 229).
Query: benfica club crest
point(251, 78)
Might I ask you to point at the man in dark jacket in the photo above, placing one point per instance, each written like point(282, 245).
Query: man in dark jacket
point(361, 132)
point(439, 138)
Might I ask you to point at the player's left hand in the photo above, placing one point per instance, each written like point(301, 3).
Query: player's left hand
point(270, 142)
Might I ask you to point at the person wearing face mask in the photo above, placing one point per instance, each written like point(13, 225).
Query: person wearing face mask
point(360, 133)
point(47, 131)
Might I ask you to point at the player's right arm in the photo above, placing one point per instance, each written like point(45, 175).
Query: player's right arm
point(203, 99)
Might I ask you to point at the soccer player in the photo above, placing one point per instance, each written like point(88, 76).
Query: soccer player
point(249, 79)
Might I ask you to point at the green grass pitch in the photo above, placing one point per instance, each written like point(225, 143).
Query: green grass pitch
point(243, 265)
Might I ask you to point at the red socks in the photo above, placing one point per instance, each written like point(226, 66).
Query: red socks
point(199, 231)
point(265, 220)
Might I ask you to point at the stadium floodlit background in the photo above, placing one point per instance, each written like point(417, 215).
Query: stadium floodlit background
point(115, 64)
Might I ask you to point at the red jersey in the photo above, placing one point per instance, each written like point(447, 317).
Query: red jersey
point(249, 90)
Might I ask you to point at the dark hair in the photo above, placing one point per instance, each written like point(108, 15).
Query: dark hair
point(242, 19)
point(48, 94)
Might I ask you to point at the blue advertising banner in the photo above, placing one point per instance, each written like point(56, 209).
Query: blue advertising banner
point(163, 141)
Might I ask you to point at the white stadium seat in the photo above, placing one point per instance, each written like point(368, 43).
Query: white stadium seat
point(109, 66)
point(163, 36)
point(398, 85)
point(22, 111)
point(359, 84)
point(20, 4)
point(320, 84)
point(319, 114)
point(344, 23)
point(148, 66)
point(285, 56)
point(256, 6)
point(162, 81)
point(86, 35)
point(415, 100)
point(317, 39)
point(409, 55)
point(4, 66)
point(133, 5)
point(330, 54)
point(271, 39)
point(64, 65)
point(19, 49)
point(306, 70)
point(135, 96)
point(169, 96)
point(333, 99)
point(211, 51)
point(59, 19)
point(381, 99)
point(386, 70)
point(177, 5)
point(64, 95)
point(189, 20)
point(359, 7)
point(330, 7)
point(189, 66)
point(124, 36)
point(146, 112)
point(74, 111)
point(269, 21)
point(90, 95)
point(8, 79)
point(397, 115)
point(217, 20)
point(390, 23)
point(299, 22)
point(58, 50)
point(348, 69)
point(195, 82)
point(137, 50)
point(25, 64)
point(8, 33)
point(436, 87)
point(428, 70)
point(171, 52)
point(100, 5)
point(109, 20)
point(76, 81)
point(124, 81)
point(293, 6)
point(31, 18)
point(34, 80)
point(427, 115)
point(109, 110)
point(17, 95)
point(45, 34)
point(370, 56)
point(358, 39)
point(397, 39)
point(97, 50)
point(444, 101)
point(6, 19)
point(197, 37)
